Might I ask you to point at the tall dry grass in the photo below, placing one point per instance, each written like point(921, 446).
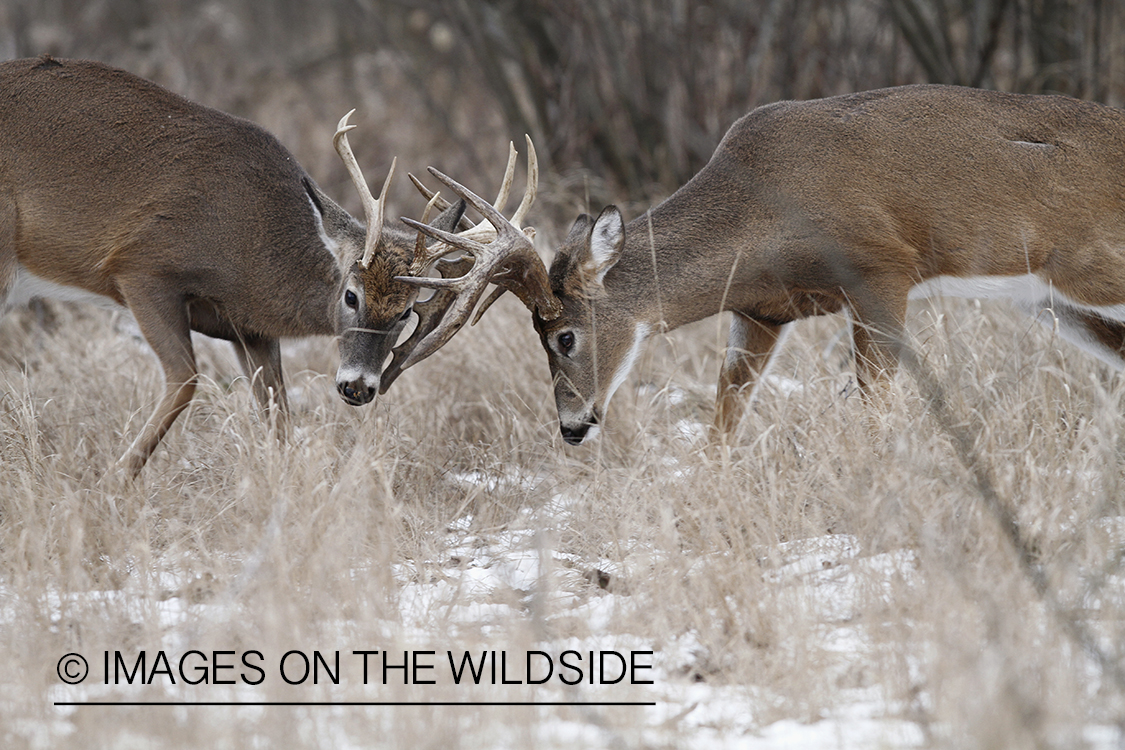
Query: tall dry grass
point(234, 540)
point(808, 574)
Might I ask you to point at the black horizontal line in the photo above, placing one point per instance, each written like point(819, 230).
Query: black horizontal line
point(355, 703)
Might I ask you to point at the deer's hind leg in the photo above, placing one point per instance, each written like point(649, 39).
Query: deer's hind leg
point(751, 345)
point(1102, 337)
point(878, 308)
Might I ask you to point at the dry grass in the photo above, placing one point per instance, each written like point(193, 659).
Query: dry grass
point(809, 587)
point(369, 528)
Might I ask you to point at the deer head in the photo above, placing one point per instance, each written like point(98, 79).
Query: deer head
point(373, 306)
point(593, 344)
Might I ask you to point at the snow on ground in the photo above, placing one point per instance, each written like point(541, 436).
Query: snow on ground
point(484, 581)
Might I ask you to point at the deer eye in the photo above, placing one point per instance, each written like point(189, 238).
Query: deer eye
point(350, 299)
point(566, 342)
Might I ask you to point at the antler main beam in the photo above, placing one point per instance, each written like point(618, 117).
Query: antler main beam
point(373, 209)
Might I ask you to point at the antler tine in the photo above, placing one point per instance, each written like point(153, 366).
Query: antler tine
point(532, 188)
point(506, 184)
point(496, 294)
point(372, 208)
point(430, 314)
point(448, 243)
point(441, 204)
point(428, 194)
point(484, 231)
point(493, 216)
point(381, 207)
point(420, 242)
point(430, 207)
point(453, 317)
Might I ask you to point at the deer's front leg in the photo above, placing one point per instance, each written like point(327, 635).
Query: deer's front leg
point(750, 347)
point(260, 358)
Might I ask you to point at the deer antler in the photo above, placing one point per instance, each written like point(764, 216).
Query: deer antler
point(372, 208)
point(437, 202)
point(484, 231)
point(508, 260)
point(430, 314)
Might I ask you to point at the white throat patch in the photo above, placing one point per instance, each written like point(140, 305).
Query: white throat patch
point(640, 333)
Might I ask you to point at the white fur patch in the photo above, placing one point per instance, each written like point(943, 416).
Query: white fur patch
point(26, 285)
point(1027, 291)
point(1027, 288)
point(605, 243)
point(1079, 335)
point(1034, 297)
point(640, 334)
point(352, 374)
point(332, 245)
point(736, 344)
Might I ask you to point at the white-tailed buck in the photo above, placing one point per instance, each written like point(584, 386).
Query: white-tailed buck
point(115, 189)
point(857, 202)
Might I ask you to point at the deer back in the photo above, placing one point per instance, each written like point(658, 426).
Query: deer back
point(929, 181)
point(105, 175)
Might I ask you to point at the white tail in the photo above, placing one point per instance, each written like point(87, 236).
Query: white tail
point(856, 202)
point(112, 187)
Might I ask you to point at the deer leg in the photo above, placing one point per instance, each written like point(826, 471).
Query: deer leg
point(162, 317)
point(751, 345)
point(878, 322)
point(1102, 337)
point(260, 358)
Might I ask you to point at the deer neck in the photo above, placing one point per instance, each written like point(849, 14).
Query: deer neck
point(676, 268)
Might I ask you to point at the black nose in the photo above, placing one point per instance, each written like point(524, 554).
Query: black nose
point(575, 435)
point(356, 393)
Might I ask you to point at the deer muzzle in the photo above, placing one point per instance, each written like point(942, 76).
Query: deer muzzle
point(576, 433)
point(357, 388)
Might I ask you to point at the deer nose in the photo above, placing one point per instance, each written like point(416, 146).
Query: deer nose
point(574, 435)
point(356, 392)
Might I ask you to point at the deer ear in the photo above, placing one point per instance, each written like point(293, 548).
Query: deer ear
point(448, 219)
point(339, 232)
point(607, 237)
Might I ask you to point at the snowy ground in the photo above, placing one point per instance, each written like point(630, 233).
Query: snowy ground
point(487, 581)
point(517, 585)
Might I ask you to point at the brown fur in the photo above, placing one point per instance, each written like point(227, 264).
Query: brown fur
point(811, 207)
point(191, 218)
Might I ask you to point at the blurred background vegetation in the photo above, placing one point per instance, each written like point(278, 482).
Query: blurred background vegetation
point(626, 99)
